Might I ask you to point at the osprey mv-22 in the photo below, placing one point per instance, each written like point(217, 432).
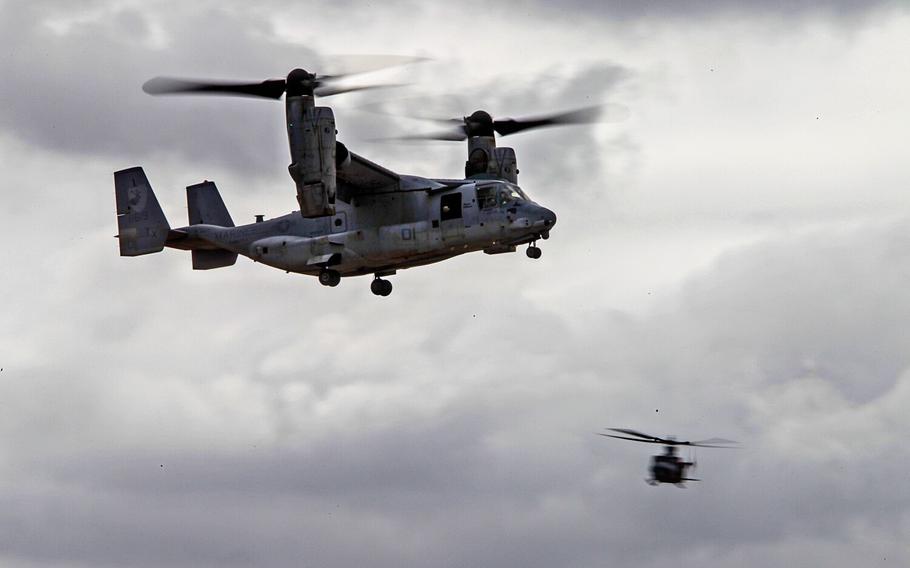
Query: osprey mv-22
point(356, 217)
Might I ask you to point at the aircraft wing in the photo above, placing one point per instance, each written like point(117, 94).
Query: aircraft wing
point(363, 177)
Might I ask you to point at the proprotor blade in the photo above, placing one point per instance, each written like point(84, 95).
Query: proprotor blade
point(360, 63)
point(328, 90)
point(447, 136)
point(270, 89)
point(298, 82)
point(480, 123)
point(580, 116)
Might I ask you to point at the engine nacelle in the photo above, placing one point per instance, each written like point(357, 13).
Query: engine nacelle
point(311, 136)
point(508, 164)
point(485, 159)
point(482, 157)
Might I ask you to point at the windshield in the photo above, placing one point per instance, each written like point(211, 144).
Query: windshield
point(499, 193)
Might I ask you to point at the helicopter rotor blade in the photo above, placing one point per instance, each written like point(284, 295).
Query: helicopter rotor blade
point(507, 126)
point(329, 90)
point(456, 134)
point(298, 79)
point(641, 437)
point(270, 89)
point(480, 123)
point(647, 437)
point(359, 64)
point(631, 439)
point(714, 443)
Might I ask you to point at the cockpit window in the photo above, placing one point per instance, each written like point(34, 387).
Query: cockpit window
point(508, 195)
point(498, 193)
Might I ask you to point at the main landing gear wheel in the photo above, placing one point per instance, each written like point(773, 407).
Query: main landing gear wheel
point(381, 287)
point(533, 252)
point(329, 278)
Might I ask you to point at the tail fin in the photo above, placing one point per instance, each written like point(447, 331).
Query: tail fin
point(143, 228)
point(206, 206)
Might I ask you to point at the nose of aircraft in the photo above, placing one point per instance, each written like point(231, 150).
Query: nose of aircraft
point(549, 218)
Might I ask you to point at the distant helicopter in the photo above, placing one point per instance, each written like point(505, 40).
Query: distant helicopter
point(668, 467)
point(356, 217)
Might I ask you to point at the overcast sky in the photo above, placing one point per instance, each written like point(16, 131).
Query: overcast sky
point(731, 260)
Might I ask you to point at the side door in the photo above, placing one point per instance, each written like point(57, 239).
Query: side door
point(451, 217)
point(470, 209)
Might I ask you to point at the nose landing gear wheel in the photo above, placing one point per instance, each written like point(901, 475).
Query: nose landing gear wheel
point(329, 278)
point(533, 252)
point(381, 287)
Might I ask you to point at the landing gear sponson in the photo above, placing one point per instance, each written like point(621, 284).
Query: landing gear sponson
point(329, 277)
point(380, 287)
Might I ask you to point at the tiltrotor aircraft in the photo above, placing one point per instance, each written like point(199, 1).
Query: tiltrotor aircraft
point(356, 217)
point(669, 468)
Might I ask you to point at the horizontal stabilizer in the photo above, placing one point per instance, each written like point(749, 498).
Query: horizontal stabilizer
point(208, 259)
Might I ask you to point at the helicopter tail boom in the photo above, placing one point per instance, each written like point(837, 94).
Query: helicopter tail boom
point(142, 226)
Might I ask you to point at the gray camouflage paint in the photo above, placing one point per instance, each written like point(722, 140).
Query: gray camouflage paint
point(377, 233)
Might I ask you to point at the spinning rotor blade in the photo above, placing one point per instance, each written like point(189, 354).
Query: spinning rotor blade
point(714, 443)
point(480, 123)
point(647, 437)
point(580, 116)
point(297, 82)
point(270, 89)
point(450, 136)
point(358, 64)
point(640, 437)
point(632, 439)
point(329, 90)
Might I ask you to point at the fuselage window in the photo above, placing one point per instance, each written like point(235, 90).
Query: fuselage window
point(486, 196)
point(451, 206)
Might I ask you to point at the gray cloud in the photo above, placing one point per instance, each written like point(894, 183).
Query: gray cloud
point(667, 10)
point(75, 87)
point(155, 416)
point(464, 439)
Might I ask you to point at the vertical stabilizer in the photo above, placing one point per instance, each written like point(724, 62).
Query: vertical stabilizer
point(204, 205)
point(142, 226)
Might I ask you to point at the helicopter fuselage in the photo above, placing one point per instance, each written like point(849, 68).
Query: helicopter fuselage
point(669, 469)
point(380, 233)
